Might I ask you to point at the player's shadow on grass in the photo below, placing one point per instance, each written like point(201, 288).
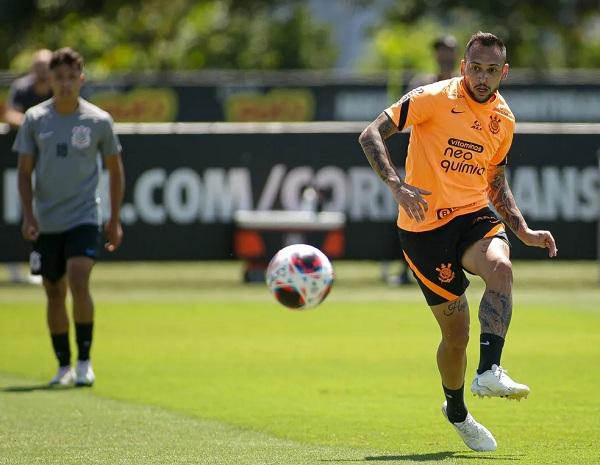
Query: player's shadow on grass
point(433, 457)
point(438, 456)
point(35, 387)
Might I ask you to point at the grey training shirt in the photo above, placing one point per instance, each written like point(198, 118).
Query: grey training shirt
point(67, 165)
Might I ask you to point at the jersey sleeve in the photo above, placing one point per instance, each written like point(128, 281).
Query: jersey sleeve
point(109, 142)
point(25, 140)
point(500, 158)
point(415, 107)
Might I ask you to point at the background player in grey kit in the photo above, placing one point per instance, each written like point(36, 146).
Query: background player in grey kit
point(26, 92)
point(61, 140)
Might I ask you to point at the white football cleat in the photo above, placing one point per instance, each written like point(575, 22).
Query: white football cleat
point(497, 383)
point(65, 376)
point(476, 436)
point(84, 374)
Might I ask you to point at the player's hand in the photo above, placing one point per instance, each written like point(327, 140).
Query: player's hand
point(543, 239)
point(30, 228)
point(410, 198)
point(114, 235)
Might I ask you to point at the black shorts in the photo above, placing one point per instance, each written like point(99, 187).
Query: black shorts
point(51, 251)
point(435, 256)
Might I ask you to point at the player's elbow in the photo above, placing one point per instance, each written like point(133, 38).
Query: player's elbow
point(13, 117)
point(366, 136)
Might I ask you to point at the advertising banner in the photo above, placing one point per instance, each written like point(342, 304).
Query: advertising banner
point(184, 188)
point(308, 98)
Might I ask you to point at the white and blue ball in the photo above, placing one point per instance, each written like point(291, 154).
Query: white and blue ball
point(300, 276)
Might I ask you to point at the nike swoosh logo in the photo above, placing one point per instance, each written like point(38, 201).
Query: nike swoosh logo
point(455, 112)
point(486, 343)
point(45, 135)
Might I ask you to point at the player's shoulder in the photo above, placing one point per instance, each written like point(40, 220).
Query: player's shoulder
point(441, 90)
point(448, 88)
point(503, 110)
point(40, 110)
point(23, 83)
point(94, 112)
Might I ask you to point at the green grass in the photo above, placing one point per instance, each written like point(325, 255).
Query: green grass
point(194, 367)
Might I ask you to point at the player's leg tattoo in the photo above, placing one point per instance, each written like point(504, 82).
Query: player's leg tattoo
point(495, 312)
point(458, 306)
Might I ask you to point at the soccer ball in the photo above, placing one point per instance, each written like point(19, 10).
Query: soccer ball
point(300, 276)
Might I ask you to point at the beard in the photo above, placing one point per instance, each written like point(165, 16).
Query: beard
point(481, 93)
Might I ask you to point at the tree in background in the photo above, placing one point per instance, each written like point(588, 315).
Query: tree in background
point(137, 35)
point(539, 35)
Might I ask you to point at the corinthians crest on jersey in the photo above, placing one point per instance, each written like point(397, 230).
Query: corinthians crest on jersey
point(81, 137)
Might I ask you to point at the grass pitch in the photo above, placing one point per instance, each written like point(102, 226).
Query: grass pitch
point(194, 367)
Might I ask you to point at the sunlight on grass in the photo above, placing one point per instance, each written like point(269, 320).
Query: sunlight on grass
point(187, 345)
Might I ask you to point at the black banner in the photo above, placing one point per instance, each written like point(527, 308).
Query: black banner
point(183, 190)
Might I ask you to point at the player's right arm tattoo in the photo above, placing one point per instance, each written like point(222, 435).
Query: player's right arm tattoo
point(372, 141)
point(503, 201)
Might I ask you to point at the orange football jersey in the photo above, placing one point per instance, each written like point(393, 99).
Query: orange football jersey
point(453, 141)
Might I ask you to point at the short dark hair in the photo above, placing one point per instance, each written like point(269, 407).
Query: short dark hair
point(66, 56)
point(487, 39)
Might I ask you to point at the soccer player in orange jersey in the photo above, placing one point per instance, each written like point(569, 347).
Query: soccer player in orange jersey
point(462, 130)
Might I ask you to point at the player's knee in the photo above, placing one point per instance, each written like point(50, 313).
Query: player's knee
point(501, 273)
point(79, 284)
point(456, 340)
point(55, 290)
